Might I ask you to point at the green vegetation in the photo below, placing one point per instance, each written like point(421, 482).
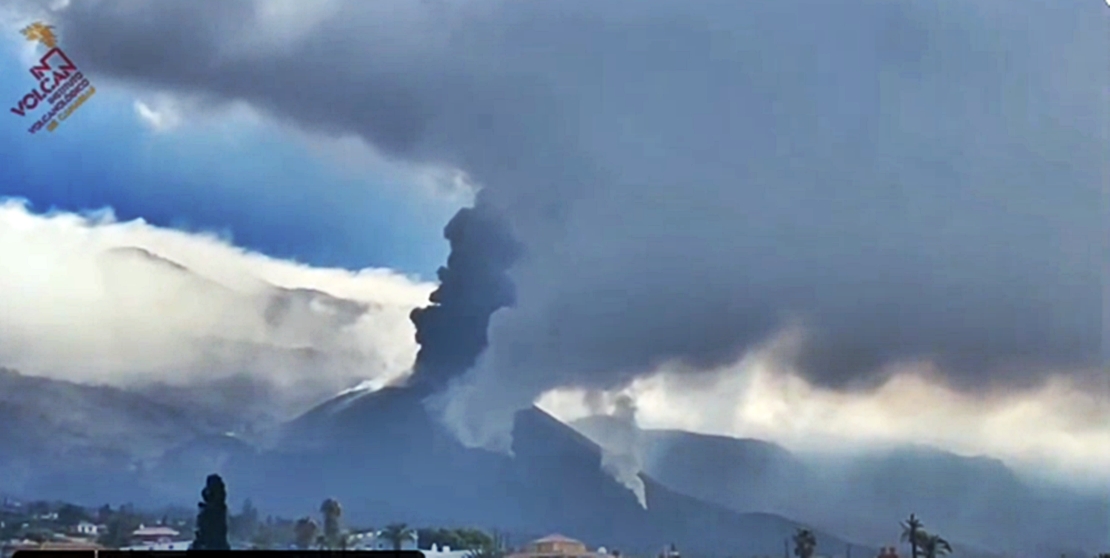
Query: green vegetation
point(332, 539)
point(934, 546)
point(486, 546)
point(397, 534)
point(459, 539)
point(120, 525)
point(923, 542)
point(805, 543)
point(211, 531)
point(911, 529)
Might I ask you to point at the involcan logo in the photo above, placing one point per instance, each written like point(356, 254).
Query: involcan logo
point(61, 89)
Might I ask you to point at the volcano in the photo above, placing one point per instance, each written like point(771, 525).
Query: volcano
point(387, 460)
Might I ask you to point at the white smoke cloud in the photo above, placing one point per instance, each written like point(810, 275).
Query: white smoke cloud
point(94, 300)
point(622, 453)
point(1059, 430)
point(159, 119)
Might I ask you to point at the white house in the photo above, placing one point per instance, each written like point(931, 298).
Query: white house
point(155, 534)
point(375, 541)
point(445, 552)
point(86, 529)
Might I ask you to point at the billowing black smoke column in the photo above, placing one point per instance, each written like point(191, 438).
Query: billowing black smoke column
point(473, 285)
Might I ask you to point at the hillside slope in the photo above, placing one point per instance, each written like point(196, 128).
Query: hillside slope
point(386, 460)
point(976, 500)
point(66, 440)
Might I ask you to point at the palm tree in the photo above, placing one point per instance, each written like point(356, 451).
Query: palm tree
point(332, 511)
point(933, 546)
point(910, 532)
point(480, 544)
point(805, 543)
point(397, 533)
point(488, 545)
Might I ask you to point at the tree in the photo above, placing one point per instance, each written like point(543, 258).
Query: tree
point(487, 547)
point(332, 512)
point(211, 531)
point(438, 537)
point(910, 532)
point(121, 524)
point(70, 515)
point(304, 532)
point(457, 539)
point(104, 514)
point(805, 543)
point(38, 508)
point(37, 536)
point(933, 546)
point(476, 538)
point(397, 534)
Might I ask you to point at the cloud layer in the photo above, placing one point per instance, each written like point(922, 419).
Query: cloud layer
point(93, 300)
point(1058, 431)
point(902, 180)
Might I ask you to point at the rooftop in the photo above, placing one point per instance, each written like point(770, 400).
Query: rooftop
point(155, 531)
point(557, 538)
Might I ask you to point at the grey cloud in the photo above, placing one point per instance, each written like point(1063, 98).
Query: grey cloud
point(907, 179)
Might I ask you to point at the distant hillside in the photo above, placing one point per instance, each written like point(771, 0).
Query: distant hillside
point(978, 501)
point(56, 416)
point(62, 439)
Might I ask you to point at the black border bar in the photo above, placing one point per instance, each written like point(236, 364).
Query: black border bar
point(217, 553)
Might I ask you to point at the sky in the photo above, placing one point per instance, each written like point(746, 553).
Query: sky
point(224, 171)
point(790, 220)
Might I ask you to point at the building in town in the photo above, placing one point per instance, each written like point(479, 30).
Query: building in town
point(373, 540)
point(86, 529)
point(670, 552)
point(557, 546)
point(445, 552)
point(159, 546)
point(154, 534)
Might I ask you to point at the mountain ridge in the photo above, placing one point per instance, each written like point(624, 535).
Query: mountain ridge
point(976, 500)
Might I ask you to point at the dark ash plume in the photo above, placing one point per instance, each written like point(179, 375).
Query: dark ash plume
point(473, 285)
